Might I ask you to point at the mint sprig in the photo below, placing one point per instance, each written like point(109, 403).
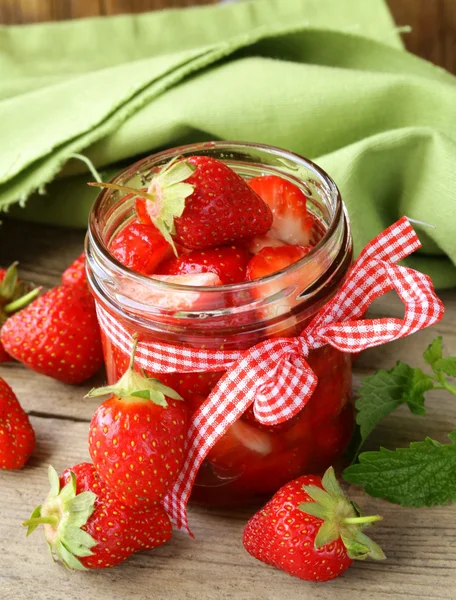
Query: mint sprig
point(385, 391)
point(424, 474)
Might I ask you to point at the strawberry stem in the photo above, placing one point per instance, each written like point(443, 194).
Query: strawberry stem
point(21, 302)
point(41, 521)
point(131, 364)
point(361, 520)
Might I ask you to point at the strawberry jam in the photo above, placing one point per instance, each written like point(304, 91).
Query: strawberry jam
point(276, 297)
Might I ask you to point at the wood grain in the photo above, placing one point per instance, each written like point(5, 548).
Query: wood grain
point(419, 543)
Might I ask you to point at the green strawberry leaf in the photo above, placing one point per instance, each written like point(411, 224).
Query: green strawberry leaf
point(433, 352)
point(422, 475)
point(384, 391)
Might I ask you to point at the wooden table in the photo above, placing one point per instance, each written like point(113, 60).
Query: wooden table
point(420, 544)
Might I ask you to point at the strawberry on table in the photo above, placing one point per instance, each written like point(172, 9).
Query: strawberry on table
point(75, 274)
point(228, 262)
point(199, 202)
point(292, 223)
point(57, 335)
point(311, 530)
point(87, 527)
point(140, 247)
point(137, 437)
point(17, 438)
point(14, 295)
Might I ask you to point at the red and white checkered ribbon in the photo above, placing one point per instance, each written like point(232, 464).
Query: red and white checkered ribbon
point(274, 374)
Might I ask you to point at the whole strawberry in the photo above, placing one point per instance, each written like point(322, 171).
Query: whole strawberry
point(57, 335)
point(199, 202)
point(311, 530)
point(75, 274)
point(87, 527)
point(14, 295)
point(17, 438)
point(137, 436)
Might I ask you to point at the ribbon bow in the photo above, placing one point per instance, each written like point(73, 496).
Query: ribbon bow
point(274, 374)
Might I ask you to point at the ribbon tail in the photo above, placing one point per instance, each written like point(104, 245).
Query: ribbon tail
point(208, 424)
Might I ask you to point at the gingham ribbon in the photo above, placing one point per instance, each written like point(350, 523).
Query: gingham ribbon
point(274, 374)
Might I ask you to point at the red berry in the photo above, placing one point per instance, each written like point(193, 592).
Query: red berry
point(333, 391)
point(75, 274)
point(216, 206)
point(137, 438)
point(271, 260)
point(288, 535)
point(140, 247)
point(14, 296)
point(165, 298)
point(57, 335)
point(292, 223)
point(17, 438)
point(88, 527)
point(241, 445)
point(228, 262)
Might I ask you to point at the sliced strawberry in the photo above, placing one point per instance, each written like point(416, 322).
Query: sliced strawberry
point(242, 444)
point(140, 247)
point(257, 243)
point(270, 260)
point(292, 223)
point(332, 439)
point(333, 391)
point(266, 476)
point(228, 262)
point(173, 300)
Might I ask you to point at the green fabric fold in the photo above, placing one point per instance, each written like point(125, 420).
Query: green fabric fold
point(328, 79)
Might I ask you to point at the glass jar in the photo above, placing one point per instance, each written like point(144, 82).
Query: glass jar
point(250, 460)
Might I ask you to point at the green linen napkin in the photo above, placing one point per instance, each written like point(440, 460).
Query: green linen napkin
point(328, 79)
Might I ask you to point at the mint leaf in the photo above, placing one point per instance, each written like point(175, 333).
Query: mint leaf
point(385, 391)
point(433, 352)
point(422, 475)
point(447, 365)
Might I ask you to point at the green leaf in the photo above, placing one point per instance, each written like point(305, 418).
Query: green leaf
point(314, 509)
point(385, 391)
point(68, 559)
point(327, 534)
point(447, 365)
point(36, 514)
point(54, 481)
point(433, 353)
point(422, 475)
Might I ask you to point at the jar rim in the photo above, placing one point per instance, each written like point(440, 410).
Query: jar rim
point(189, 149)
